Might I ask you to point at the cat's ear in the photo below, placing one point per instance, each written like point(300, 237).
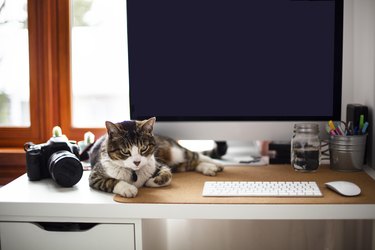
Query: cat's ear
point(111, 128)
point(148, 125)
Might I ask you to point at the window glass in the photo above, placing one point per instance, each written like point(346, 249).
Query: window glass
point(14, 64)
point(99, 62)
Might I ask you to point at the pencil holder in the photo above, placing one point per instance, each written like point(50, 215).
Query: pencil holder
point(347, 152)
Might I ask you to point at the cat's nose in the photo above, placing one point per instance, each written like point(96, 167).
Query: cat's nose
point(136, 163)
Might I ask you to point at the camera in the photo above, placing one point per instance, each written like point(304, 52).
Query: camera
point(58, 159)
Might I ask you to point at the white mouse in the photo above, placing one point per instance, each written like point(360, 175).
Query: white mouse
point(345, 188)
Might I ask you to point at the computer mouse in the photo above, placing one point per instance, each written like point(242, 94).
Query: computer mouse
point(344, 188)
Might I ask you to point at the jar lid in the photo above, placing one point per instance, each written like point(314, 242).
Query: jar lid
point(306, 128)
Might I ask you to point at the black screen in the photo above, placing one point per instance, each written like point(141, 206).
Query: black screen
point(192, 60)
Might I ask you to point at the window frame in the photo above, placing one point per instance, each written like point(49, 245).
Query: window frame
point(49, 28)
point(49, 24)
point(40, 29)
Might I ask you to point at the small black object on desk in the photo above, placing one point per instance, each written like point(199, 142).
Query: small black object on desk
point(279, 152)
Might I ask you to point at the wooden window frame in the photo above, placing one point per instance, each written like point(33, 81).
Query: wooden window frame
point(49, 28)
point(40, 28)
point(50, 76)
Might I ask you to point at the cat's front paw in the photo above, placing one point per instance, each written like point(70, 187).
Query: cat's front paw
point(125, 189)
point(208, 168)
point(163, 178)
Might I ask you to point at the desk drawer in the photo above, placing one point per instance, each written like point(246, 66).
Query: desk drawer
point(19, 235)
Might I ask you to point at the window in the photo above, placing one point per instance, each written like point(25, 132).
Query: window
point(14, 64)
point(25, 76)
point(72, 71)
point(99, 62)
point(93, 80)
point(26, 27)
point(78, 69)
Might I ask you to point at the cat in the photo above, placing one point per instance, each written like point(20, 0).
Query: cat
point(130, 156)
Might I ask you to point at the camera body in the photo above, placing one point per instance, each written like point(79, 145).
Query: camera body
point(58, 159)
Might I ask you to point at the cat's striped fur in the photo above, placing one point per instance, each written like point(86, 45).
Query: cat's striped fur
point(130, 156)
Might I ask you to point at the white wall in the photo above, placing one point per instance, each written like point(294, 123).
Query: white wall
point(359, 62)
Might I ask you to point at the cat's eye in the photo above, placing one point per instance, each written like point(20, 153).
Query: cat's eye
point(125, 152)
point(144, 148)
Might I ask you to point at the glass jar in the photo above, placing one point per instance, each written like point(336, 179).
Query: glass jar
point(305, 147)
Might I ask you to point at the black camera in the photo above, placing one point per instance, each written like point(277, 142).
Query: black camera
point(58, 159)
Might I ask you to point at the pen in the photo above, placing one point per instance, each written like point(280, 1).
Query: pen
point(355, 132)
point(332, 132)
point(333, 128)
point(361, 121)
point(338, 128)
point(329, 130)
point(349, 130)
point(331, 125)
point(365, 126)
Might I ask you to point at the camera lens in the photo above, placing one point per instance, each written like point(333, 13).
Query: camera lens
point(65, 168)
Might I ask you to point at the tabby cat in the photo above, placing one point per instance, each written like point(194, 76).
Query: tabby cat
point(129, 156)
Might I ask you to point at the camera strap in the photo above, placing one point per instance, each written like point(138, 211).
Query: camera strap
point(84, 155)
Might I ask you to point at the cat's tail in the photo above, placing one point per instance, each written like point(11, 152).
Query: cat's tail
point(194, 161)
point(181, 159)
point(218, 151)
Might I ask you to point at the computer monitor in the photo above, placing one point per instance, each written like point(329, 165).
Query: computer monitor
point(234, 69)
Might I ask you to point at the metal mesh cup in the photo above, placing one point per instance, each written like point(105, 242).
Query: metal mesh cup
point(347, 152)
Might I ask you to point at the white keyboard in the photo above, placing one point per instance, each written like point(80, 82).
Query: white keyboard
point(271, 188)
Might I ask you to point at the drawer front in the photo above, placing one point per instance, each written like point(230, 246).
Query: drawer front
point(19, 235)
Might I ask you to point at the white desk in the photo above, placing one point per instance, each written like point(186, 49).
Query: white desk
point(22, 202)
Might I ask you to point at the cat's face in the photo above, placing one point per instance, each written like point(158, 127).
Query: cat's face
point(131, 143)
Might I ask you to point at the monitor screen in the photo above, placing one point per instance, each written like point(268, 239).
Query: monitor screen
point(235, 60)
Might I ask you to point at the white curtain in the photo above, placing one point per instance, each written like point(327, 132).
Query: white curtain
point(256, 234)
